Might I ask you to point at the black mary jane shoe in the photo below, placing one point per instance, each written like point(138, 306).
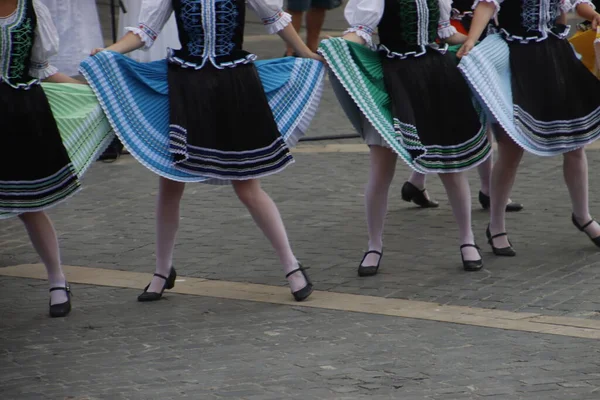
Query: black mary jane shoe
point(302, 294)
point(595, 240)
point(369, 270)
point(169, 284)
point(484, 200)
point(62, 309)
point(412, 193)
point(504, 251)
point(471, 265)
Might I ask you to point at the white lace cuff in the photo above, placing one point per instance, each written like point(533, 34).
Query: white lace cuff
point(445, 30)
point(364, 32)
point(567, 6)
point(277, 21)
point(42, 70)
point(495, 2)
point(145, 33)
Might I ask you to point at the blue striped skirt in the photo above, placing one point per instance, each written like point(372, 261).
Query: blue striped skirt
point(539, 92)
point(207, 125)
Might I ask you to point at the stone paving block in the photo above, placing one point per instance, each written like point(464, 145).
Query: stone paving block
point(183, 352)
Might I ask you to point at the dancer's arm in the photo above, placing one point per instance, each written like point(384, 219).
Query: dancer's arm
point(363, 16)
point(484, 12)
point(586, 10)
point(278, 21)
point(153, 17)
point(446, 31)
point(45, 45)
point(130, 42)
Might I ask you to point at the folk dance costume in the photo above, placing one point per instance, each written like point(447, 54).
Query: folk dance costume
point(529, 79)
point(414, 189)
point(51, 132)
point(209, 113)
point(79, 32)
point(175, 116)
point(406, 97)
point(168, 37)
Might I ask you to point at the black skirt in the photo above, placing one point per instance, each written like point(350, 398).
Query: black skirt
point(556, 98)
point(433, 111)
point(221, 125)
point(35, 168)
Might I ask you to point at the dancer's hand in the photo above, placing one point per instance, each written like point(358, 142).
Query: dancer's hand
point(465, 48)
point(353, 37)
point(318, 57)
point(96, 51)
point(596, 21)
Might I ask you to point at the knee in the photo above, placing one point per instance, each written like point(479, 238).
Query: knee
point(171, 189)
point(509, 152)
point(27, 217)
point(247, 191)
point(575, 155)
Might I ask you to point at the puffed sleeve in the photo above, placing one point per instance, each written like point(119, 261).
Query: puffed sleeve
point(569, 5)
point(271, 14)
point(154, 14)
point(496, 4)
point(45, 43)
point(445, 29)
point(363, 16)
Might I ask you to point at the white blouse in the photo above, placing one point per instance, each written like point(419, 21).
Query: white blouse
point(79, 31)
point(565, 5)
point(363, 16)
point(155, 14)
point(168, 39)
point(45, 43)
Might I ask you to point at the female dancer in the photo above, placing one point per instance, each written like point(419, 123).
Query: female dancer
point(204, 115)
point(43, 155)
point(79, 31)
point(167, 39)
point(418, 80)
point(414, 188)
point(543, 97)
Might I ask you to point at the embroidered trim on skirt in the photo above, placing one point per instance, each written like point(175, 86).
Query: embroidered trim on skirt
point(550, 109)
point(208, 125)
point(412, 104)
point(51, 134)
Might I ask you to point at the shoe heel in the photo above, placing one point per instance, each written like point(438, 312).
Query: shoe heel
point(172, 279)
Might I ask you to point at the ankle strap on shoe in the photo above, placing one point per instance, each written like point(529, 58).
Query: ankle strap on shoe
point(65, 288)
point(161, 276)
point(300, 268)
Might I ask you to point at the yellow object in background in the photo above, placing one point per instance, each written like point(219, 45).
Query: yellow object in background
point(584, 45)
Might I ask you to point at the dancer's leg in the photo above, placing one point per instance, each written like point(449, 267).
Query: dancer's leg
point(575, 171)
point(167, 224)
point(44, 241)
point(383, 166)
point(315, 17)
point(459, 194)
point(267, 217)
point(503, 178)
point(418, 180)
point(485, 168)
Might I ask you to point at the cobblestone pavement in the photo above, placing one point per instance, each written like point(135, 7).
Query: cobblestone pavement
point(111, 347)
point(114, 348)
point(111, 225)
